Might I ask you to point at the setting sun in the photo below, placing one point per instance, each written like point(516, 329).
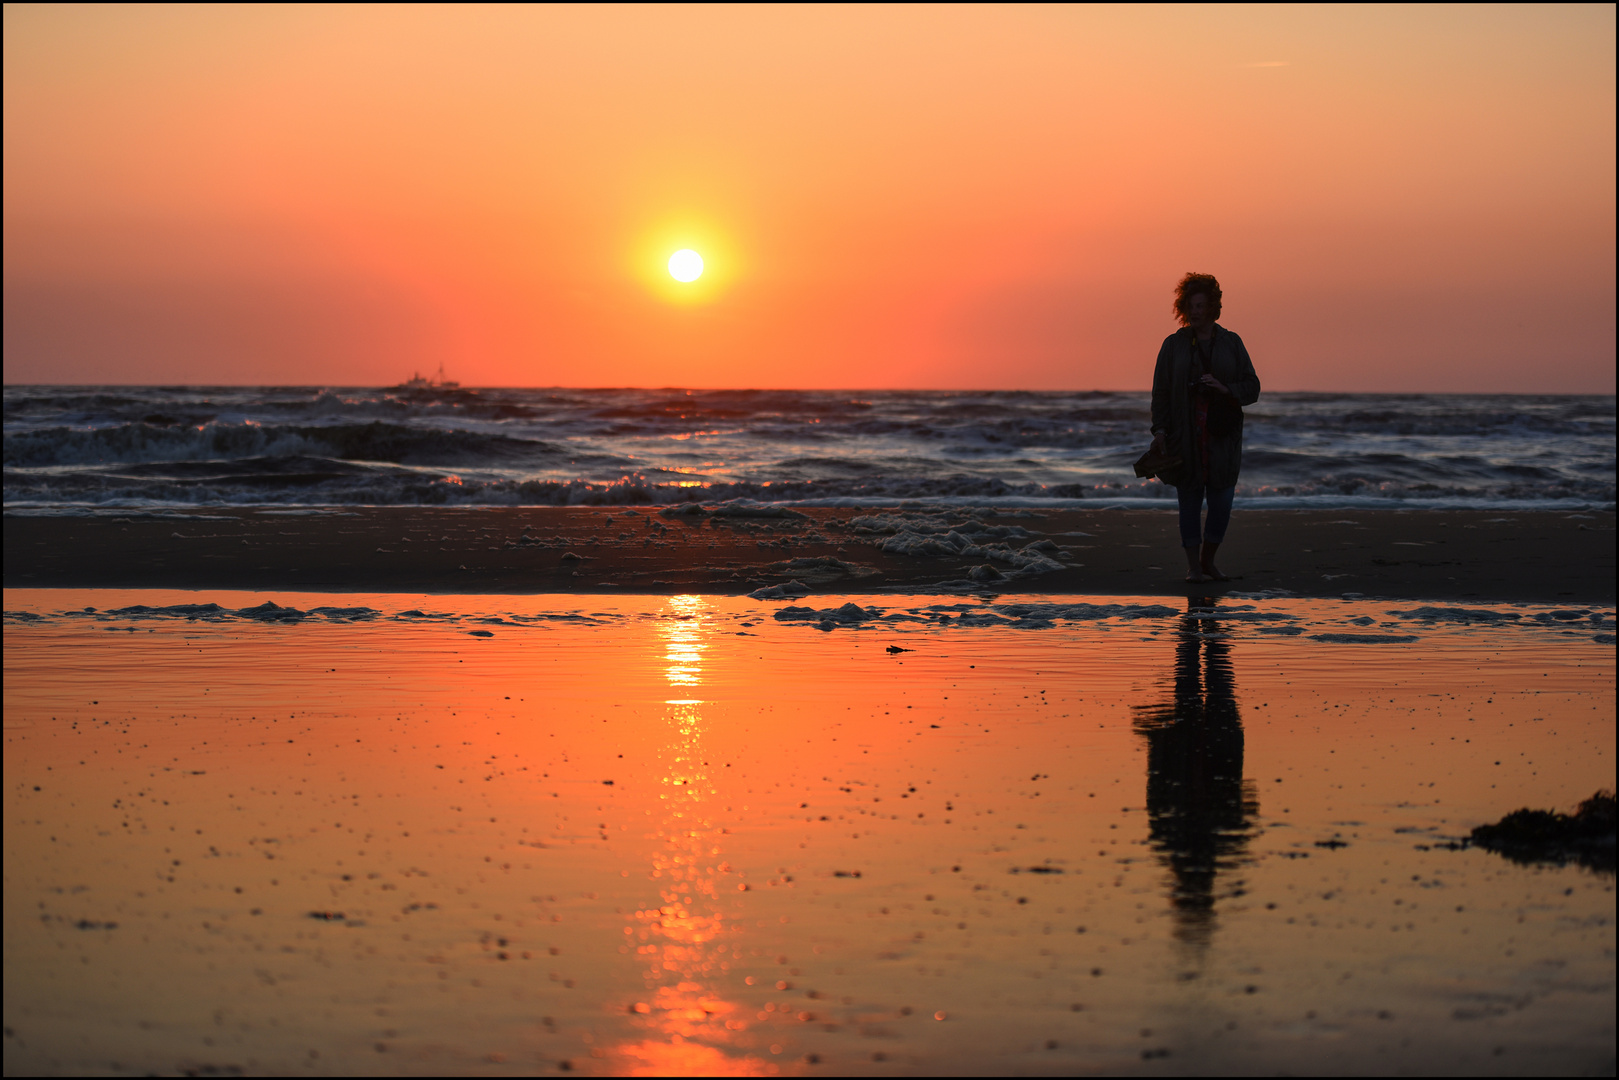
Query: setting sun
point(687, 260)
point(685, 265)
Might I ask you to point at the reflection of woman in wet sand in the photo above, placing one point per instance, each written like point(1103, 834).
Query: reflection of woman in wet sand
point(1202, 380)
point(1201, 811)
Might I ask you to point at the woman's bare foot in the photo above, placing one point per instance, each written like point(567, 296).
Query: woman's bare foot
point(1205, 562)
point(1194, 569)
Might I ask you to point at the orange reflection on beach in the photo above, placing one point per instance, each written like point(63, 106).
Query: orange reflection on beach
point(683, 637)
point(684, 940)
point(604, 836)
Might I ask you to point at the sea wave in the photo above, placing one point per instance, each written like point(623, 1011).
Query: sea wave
point(219, 440)
point(131, 446)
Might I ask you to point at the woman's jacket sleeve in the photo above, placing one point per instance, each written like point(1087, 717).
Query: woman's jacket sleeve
point(1245, 388)
point(1163, 393)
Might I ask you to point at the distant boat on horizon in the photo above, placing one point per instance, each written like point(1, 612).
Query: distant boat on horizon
point(418, 382)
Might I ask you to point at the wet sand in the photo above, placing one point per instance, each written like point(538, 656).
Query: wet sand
point(1461, 555)
point(687, 835)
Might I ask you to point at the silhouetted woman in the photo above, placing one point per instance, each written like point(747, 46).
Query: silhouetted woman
point(1202, 380)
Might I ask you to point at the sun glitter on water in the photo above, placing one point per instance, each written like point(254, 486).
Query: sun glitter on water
point(685, 265)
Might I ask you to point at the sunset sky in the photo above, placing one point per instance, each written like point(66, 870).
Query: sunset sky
point(1394, 198)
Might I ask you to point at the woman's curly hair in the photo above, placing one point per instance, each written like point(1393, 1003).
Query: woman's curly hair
point(1190, 286)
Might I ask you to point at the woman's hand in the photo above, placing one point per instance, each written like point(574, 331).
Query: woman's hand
point(1158, 443)
point(1214, 384)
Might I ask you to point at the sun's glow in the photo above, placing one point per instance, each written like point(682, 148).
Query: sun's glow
point(686, 260)
point(685, 265)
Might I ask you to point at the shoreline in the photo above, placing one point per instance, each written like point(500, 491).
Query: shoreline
point(1485, 556)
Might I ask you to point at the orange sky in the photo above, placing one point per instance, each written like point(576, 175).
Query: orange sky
point(1395, 198)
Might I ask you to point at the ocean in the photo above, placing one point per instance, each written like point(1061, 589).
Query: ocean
point(80, 448)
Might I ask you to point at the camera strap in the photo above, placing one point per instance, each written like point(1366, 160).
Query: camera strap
point(1206, 363)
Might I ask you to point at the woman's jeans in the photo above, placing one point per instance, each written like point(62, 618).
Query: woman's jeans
point(1191, 500)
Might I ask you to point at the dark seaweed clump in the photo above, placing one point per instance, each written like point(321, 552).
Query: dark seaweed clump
point(1529, 836)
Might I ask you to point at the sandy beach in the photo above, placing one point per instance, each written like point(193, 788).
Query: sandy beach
point(1452, 555)
point(740, 790)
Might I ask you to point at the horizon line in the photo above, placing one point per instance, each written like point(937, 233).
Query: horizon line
point(784, 389)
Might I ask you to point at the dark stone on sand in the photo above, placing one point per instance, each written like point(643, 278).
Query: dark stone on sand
point(1526, 836)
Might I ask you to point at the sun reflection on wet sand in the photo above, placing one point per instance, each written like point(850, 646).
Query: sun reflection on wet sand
point(684, 640)
point(684, 940)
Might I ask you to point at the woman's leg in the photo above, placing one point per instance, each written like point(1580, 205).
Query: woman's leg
point(1191, 504)
point(1214, 529)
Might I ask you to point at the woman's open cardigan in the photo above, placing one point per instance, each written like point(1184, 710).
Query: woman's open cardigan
point(1173, 405)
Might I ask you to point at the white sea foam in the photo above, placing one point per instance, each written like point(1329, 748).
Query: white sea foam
point(850, 614)
point(1348, 623)
point(787, 590)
